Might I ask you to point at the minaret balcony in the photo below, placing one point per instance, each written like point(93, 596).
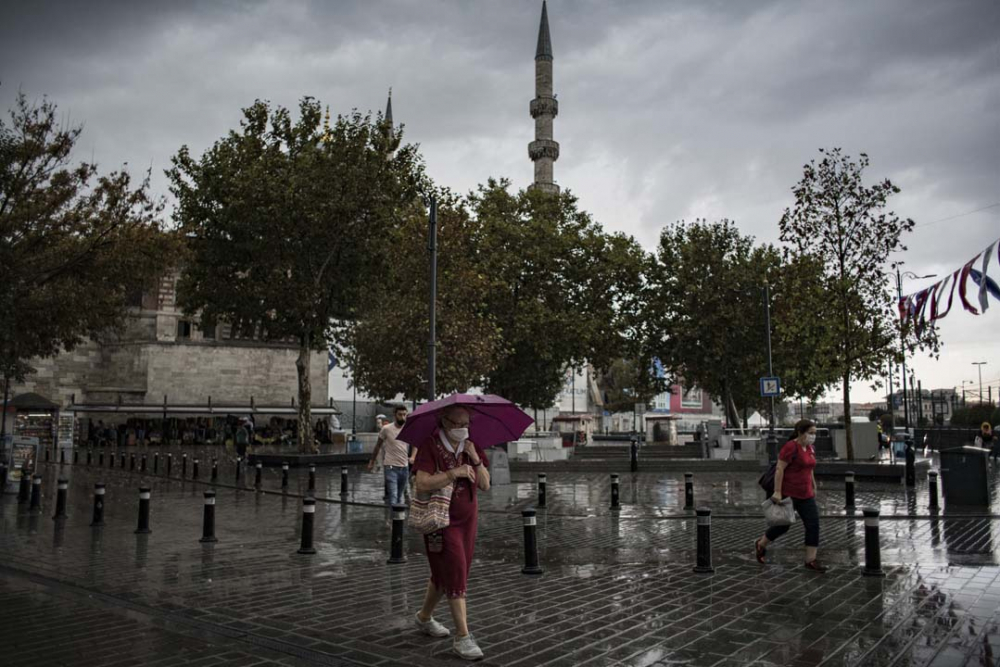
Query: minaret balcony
point(544, 106)
point(543, 148)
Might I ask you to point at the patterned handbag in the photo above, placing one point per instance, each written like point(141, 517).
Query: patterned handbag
point(429, 512)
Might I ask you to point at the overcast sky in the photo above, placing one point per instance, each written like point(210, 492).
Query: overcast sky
point(668, 110)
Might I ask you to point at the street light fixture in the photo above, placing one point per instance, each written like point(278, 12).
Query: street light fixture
point(902, 337)
point(980, 364)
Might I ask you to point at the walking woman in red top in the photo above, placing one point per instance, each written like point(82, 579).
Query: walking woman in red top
point(449, 456)
point(795, 478)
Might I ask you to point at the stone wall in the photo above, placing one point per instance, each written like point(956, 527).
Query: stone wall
point(143, 372)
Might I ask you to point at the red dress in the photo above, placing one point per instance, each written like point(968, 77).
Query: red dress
point(449, 551)
point(797, 482)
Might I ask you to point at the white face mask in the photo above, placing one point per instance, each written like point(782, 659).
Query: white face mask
point(459, 434)
point(810, 438)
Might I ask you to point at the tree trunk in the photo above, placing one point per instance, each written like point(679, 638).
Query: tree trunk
point(847, 414)
point(306, 443)
point(732, 416)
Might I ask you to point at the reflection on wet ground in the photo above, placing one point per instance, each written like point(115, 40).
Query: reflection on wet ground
point(618, 589)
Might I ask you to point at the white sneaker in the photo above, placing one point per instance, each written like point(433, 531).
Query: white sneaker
point(432, 628)
point(466, 647)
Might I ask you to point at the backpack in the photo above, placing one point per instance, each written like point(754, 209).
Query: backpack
point(766, 480)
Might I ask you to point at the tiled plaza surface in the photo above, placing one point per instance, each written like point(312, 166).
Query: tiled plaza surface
point(618, 588)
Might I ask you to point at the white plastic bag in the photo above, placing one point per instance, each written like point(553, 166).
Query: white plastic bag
point(779, 514)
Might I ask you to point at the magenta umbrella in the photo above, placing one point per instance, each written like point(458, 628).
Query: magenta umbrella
point(494, 419)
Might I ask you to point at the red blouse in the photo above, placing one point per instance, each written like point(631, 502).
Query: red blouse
point(797, 479)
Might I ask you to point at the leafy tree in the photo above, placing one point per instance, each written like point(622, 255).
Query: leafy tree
point(706, 302)
point(562, 291)
point(284, 220)
point(844, 225)
point(876, 414)
point(386, 345)
point(74, 245)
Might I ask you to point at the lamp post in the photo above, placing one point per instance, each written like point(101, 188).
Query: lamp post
point(432, 343)
point(902, 337)
point(980, 364)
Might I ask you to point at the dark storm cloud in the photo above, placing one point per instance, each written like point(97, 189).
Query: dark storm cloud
point(668, 110)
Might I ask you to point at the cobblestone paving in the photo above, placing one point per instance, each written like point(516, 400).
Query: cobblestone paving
point(616, 590)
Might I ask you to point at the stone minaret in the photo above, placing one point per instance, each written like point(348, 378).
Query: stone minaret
point(543, 151)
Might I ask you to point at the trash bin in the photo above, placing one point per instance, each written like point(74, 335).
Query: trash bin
point(353, 445)
point(964, 476)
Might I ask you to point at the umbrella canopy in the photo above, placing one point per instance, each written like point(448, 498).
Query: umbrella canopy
point(494, 419)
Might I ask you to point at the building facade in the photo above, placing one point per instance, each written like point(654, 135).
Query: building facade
point(164, 355)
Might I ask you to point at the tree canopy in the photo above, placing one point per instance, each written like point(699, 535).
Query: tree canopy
point(846, 227)
point(75, 246)
point(284, 220)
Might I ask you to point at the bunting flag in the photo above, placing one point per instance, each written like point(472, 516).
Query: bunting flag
point(934, 302)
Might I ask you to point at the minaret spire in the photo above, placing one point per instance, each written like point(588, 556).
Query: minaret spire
point(388, 109)
point(544, 151)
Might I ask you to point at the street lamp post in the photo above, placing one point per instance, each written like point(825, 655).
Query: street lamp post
point(980, 364)
point(432, 343)
point(772, 439)
point(902, 337)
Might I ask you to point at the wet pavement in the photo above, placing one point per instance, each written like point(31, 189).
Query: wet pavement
point(617, 589)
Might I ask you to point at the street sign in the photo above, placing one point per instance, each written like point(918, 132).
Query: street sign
point(770, 387)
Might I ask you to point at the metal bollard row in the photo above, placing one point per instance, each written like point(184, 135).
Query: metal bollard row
point(703, 562)
point(308, 519)
point(208, 524)
point(615, 493)
point(144, 497)
point(932, 487)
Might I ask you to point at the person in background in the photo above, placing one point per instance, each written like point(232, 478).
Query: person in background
point(396, 462)
point(987, 439)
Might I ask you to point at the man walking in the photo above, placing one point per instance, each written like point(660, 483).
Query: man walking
point(395, 462)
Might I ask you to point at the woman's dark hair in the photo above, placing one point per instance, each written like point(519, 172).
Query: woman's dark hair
point(803, 426)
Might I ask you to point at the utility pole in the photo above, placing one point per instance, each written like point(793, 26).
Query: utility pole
point(772, 440)
point(432, 343)
point(902, 337)
point(980, 364)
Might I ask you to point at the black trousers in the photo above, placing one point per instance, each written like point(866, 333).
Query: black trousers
point(809, 513)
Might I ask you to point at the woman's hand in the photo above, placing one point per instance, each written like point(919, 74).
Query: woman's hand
point(471, 452)
point(463, 471)
point(776, 497)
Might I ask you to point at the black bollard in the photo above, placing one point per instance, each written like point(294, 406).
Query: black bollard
point(704, 558)
point(932, 488)
point(208, 525)
point(284, 475)
point(312, 477)
point(530, 543)
point(396, 543)
point(24, 487)
point(911, 463)
point(76, 456)
point(156, 463)
point(194, 469)
point(62, 456)
point(215, 469)
point(184, 465)
point(36, 494)
point(238, 461)
point(122, 461)
point(849, 490)
point(100, 458)
point(142, 464)
point(62, 487)
point(90, 455)
point(308, 517)
point(541, 490)
point(689, 490)
point(259, 470)
point(343, 480)
point(170, 464)
point(143, 527)
point(634, 454)
point(615, 494)
point(873, 552)
point(131, 461)
point(98, 505)
point(46, 454)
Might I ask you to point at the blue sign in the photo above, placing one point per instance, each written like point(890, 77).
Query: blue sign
point(770, 387)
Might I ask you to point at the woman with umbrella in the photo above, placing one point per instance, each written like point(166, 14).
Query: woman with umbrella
point(448, 455)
